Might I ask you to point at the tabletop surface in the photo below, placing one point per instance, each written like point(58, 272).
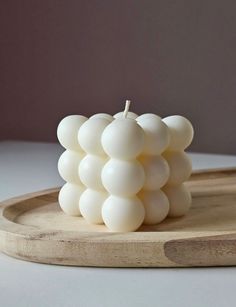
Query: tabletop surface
point(28, 167)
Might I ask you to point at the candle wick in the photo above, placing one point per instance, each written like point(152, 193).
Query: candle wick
point(126, 110)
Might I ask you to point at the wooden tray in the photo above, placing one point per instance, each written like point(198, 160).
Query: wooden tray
point(33, 228)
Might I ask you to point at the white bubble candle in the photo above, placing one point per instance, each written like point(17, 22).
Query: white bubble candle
point(124, 170)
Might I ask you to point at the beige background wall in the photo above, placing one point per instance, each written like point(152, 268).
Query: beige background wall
point(169, 57)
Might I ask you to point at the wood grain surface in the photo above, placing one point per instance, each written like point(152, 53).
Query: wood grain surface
point(33, 228)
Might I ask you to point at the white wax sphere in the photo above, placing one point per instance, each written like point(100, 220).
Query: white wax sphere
point(68, 198)
point(90, 205)
point(180, 166)
point(156, 171)
point(147, 116)
point(123, 139)
point(67, 131)
point(90, 133)
point(90, 169)
point(123, 178)
point(103, 115)
point(156, 205)
point(131, 115)
point(156, 134)
point(181, 132)
point(123, 214)
point(68, 164)
point(179, 199)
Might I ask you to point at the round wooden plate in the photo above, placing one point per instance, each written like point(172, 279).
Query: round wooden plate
point(34, 228)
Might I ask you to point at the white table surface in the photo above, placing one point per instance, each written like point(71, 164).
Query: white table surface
point(27, 167)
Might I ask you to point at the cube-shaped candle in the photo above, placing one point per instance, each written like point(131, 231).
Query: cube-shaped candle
point(125, 170)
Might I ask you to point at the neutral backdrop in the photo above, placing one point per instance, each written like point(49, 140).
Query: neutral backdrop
point(60, 57)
